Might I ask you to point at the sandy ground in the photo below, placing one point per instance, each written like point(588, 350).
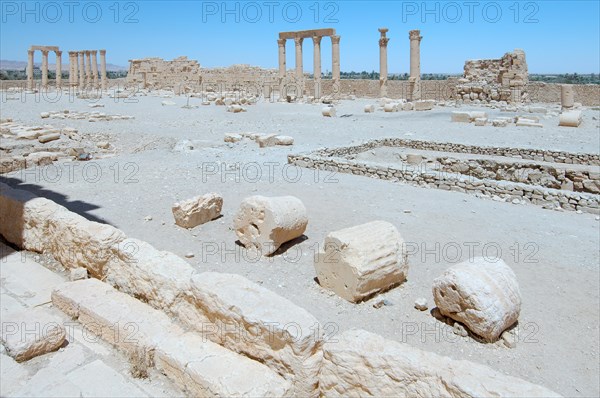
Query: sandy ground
point(554, 254)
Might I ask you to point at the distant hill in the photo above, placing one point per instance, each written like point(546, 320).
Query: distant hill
point(21, 65)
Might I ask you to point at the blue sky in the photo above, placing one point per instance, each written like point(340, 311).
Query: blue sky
point(557, 36)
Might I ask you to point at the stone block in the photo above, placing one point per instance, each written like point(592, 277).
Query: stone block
point(31, 332)
point(481, 294)
point(48, 137)
point(198, 210)
point(265, 223)
point(424, 105)
point(460, 117)
point(249, 319)
point(369, 108)
point(358, 262)
point(229, 137)
point(360, 361)
point(208, 370)
point(159, 278)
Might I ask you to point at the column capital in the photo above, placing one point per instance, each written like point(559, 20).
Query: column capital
point(317, 40)
point(383, 31)
point(102, 52)
point(30, 51)
point(58, 53)
point(298, 40)
point(335, 39)
point(281, 42)
point(415, 35)
point(87, 52)
point(72, 53)
point(383, 42)
point(44, 52)
point(94, 52)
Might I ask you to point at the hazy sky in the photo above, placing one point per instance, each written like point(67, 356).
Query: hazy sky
point(557, 36)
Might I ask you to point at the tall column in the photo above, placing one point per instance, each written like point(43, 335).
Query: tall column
point(30, 69)
point(335, 64)
point(282, 68)
point(44, 68)
point(72, 68)
point(81, 56)
point(88, 68)
point(317, 65)
point(58, 70)
point(415, 64)
point(95, 68)
point(281, 43)
point(299, 69)
point(383, 67)
point(299, 72)
point(103, 78)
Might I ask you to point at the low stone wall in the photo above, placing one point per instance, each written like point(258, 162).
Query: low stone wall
point(458, 179)
point(439, 90)
point(231, 310)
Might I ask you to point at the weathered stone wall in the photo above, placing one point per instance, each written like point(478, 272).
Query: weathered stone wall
point(469, 177)
point(158, 73)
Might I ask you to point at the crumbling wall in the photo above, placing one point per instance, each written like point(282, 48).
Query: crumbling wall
point(503, 79)
point(158, 73)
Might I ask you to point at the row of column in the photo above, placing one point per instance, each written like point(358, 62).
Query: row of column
point(415, 64)
point(30, 53)
point(82, 73)
point(335, 68)
point(84, 69)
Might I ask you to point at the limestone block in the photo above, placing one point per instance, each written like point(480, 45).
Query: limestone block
point(528, 123)
point(265, 223)
point(31, 332)
point(328, 111)
point(48, 137)
point(198, 210)
point(40, 158)
point(369, 108)
point(252, 320)
point(159, 278)
point(358, 262)
point(77, 242)
point(499, 122)
point(44, 115)
point(11, 163)
point(481, 294)
point(425, 105)
point(168, 103)
point(390, 107)
point(235, 108)
point(360, 361)
point(24, 218)
point(284, 140)
point(266, 140)
point(115, 317)
point(480, 121)
point(477, 115)
point(229, 137)
point(97, 379)
point(460, 117)
point(208, 370)
point(537, 109)
point(570, 119)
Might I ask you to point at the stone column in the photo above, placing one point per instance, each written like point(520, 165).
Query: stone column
point(73, 68)
point(317, 65)
point(30, 69)
point(282, 68)
point(383, 67)
point(281, 43)
point(95, 68)
point(44, 68)
point(81, 57)
point(88, 68)
point(335, 64)
point(58, 70)
point(567, 96)
point(299, 71)
point(103, 78)
point(415, 64)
